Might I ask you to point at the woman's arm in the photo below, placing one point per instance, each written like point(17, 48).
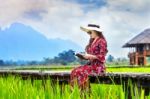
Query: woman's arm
point(90, 56)
point(102, 52)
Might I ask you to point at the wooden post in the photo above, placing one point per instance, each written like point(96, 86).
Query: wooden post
point(130, 57)
point(136, 58)
point(144, 54)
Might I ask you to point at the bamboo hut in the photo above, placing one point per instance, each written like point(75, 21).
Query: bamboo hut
point(139, 48)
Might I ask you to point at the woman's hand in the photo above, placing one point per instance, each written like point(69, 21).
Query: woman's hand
point(80, 56)
point(89, 56)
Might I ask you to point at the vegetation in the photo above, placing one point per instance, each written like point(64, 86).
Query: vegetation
point(136, 69)
point(144, 69)
point(63, 58)
point(16, 88)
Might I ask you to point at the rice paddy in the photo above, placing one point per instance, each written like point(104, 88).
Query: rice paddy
point(15, 88)
point(145, 69)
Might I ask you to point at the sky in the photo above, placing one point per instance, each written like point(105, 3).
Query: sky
point(120, 20)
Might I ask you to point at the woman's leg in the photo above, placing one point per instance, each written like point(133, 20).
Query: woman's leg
point(86, 86)
point(74, 77)
point(79, 76)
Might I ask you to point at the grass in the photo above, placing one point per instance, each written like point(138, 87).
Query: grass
point(15, 88)
point(142, 69)
point(145, 69)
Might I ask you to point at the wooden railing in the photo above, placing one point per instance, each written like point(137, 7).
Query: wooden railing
point(140, 53)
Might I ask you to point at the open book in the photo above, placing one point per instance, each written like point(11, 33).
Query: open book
point(80, 55)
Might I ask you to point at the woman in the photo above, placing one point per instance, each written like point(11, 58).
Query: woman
point(95, 53)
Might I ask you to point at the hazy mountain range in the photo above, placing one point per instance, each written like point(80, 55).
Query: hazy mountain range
point(21, 42)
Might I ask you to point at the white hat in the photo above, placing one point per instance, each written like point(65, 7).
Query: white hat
point(91, 27)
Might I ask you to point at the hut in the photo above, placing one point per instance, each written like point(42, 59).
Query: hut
point(139, 48)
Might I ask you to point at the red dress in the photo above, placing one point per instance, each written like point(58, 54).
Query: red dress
point(93, 67)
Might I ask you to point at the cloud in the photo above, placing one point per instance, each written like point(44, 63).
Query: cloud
point(34, 14)
point(120, 19)
point(14, 10)
point(134, 5)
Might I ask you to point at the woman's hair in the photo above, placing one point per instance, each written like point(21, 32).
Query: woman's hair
point(100, 34)
point(92, 39)
point(89, 44)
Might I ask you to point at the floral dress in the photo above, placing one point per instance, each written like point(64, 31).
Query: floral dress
point(93, 67)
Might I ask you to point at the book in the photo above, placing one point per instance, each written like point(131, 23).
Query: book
point(80, 55)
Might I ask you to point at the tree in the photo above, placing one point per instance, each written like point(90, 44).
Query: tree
point(110, 58)
point(2, 63)
point(47, 61)
point(66, 57)
point(33, 63)
point(63, 58)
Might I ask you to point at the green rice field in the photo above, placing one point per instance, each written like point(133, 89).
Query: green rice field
point(15, 88)
point(145, 69)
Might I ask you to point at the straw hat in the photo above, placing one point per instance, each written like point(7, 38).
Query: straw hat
point(91, 27)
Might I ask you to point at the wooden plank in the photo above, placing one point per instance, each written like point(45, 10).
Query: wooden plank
point(65, 75)
point(142, 78)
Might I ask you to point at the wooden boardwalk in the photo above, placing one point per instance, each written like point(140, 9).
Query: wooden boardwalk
point(65, 76)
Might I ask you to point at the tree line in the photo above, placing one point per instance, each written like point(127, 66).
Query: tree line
point(63, 58)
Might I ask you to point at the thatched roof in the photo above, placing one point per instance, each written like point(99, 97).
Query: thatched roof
point(142, 38)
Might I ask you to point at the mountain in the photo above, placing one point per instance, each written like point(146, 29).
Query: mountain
point(21, 42)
